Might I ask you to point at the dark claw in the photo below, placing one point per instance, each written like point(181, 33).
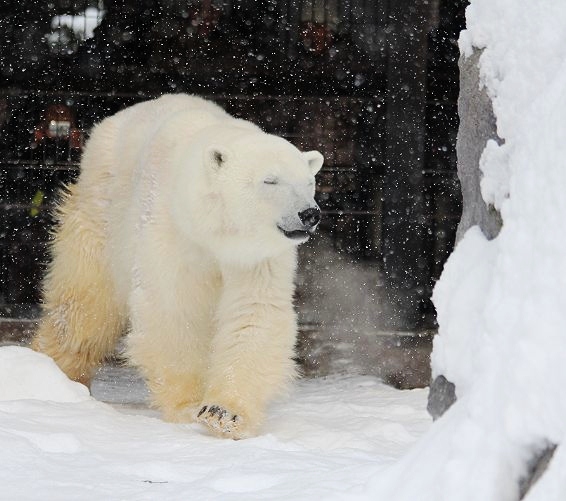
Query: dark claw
point(218, 411)
point(214, 409)
point(202, 411)
point(234, 419)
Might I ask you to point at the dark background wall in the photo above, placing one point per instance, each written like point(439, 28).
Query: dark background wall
point(372, 84)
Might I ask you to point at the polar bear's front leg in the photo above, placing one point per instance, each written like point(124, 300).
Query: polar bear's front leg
point(171, 328)
point(252, 350)
point(170, 357)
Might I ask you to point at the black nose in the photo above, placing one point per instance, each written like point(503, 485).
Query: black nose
point(310, 217)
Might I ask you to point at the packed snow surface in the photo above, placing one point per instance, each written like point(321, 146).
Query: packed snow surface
point(328, 440)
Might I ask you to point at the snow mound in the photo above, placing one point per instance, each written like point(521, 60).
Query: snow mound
point(28, 375)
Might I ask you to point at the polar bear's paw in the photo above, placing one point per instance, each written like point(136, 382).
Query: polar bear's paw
point(222, 422)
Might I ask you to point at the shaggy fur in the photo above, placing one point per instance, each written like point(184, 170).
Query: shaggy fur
point(178, 229)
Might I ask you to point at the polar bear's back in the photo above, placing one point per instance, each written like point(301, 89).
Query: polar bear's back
point(127, 135)
point(156, 111)
point(148, 116)
point(120, 146)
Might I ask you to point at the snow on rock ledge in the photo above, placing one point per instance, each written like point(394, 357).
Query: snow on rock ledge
point(28, 375)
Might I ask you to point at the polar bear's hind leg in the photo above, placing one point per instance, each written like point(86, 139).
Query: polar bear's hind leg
point(81, 318)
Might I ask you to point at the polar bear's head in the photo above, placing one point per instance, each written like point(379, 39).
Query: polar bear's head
point(260, 193)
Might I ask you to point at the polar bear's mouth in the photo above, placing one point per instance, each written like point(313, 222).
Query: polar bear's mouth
point(295, 234)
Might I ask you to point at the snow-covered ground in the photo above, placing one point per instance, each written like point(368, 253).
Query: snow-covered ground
point(329, 439)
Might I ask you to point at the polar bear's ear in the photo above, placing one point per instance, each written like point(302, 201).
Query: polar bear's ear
point(315, 160)
point(216, 157)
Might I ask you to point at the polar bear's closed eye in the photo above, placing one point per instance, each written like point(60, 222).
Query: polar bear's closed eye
point(271, 180)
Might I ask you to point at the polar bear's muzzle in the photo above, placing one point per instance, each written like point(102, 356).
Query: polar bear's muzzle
point(307, 221)
point(310, 217)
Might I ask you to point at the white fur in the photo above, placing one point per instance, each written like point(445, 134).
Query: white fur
point(172, 227)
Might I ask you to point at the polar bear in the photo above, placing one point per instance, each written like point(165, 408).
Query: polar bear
point(182, 229)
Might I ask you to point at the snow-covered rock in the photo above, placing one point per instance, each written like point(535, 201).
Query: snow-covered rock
point(501, 303)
